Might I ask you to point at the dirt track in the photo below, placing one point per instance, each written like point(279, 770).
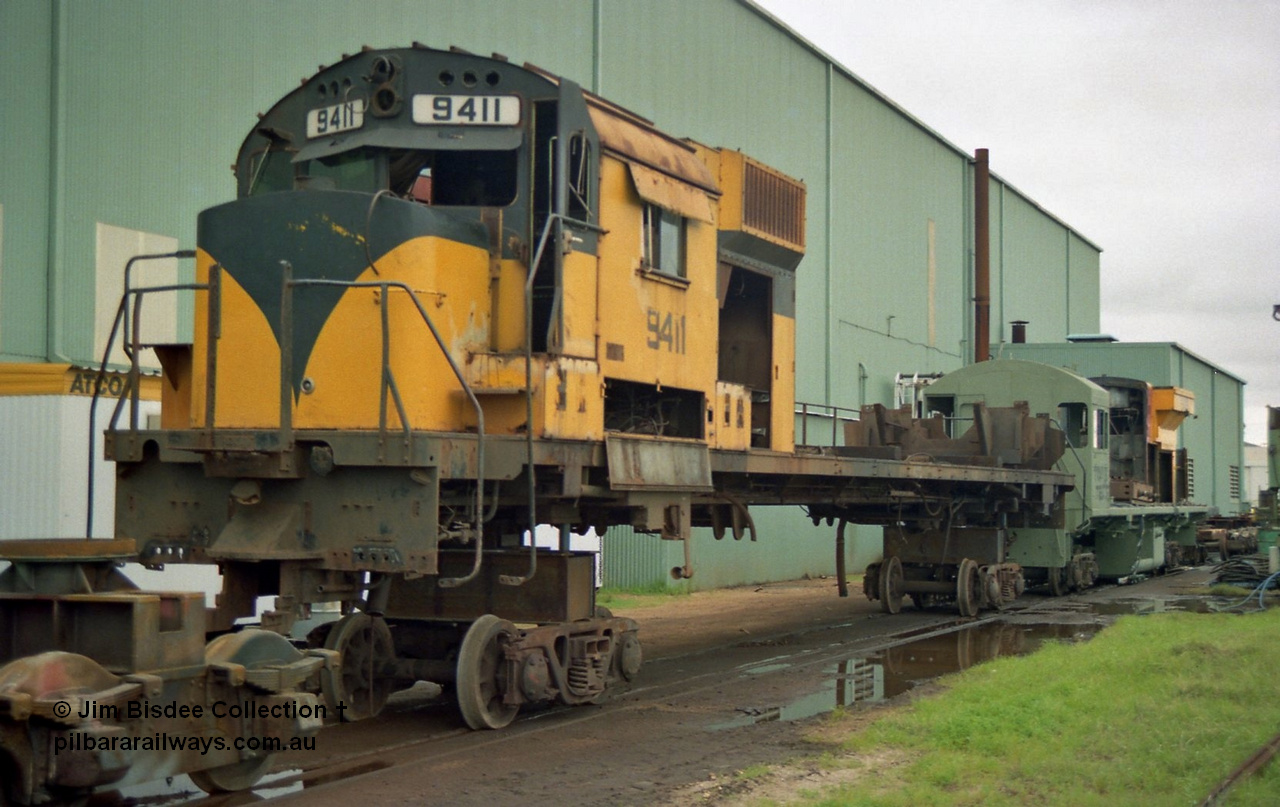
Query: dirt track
point(725, 673)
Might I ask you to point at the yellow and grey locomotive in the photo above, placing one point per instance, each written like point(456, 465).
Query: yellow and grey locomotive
point(454, 299)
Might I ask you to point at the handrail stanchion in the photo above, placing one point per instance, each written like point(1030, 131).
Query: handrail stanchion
point(286, 356)
point(385, 370)
point(214, 333)
point(135, 368)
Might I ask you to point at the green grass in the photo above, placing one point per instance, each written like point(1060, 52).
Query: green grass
point(645, 596)
point(1156, 710)
point(754, 772)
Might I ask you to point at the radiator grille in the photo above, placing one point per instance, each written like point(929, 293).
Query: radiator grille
point(773, 204)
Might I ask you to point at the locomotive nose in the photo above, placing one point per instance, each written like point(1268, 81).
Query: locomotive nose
point(330, 329)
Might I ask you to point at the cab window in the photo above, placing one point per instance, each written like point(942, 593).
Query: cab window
point(663, 246)
point(455, 178)
point(441, 178)
point(1101, 427)
point(1073, 418)
point(270, 170)
point(357, 170)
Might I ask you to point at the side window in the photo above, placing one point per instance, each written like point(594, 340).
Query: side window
point(1073, 419)
point(1101, 428)
point(663, 237)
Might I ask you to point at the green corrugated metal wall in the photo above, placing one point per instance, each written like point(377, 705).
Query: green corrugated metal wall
point(147, 101)
point(25, 95)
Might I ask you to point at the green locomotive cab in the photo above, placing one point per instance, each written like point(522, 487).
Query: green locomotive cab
point(1104, 534)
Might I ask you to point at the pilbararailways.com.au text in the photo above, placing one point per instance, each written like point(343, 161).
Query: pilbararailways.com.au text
point(163, 741)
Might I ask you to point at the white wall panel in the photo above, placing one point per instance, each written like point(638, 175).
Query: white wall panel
point(115, 246)
point(44, 467)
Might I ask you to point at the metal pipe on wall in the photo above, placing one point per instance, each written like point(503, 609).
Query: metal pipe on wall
point(982, 257)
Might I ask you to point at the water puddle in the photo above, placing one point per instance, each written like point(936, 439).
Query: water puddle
point(180, 790)
point(1194, 605)
point(886, 674)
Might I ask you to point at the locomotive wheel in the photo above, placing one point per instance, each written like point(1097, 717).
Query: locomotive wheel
point(1058, 581)
point(968, 588)
point(240, 775)
point(482, 674)
point(891, 585)
point(365, 644)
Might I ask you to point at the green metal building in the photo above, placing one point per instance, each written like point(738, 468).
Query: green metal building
point(121, 117)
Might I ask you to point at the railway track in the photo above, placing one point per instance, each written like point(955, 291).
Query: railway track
point(672, 723)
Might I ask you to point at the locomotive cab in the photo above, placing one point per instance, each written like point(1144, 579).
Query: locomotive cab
point(444, 173)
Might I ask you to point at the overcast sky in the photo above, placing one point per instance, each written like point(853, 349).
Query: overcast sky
point(1151, 127)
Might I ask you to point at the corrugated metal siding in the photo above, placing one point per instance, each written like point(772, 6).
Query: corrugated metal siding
point(1198, 435)
point(25, 31)
point(1228, 441)
point(788, 547)
point(1084, 285)
point(890, 180)
point(43, 467)
point(632, 560)
point(1034, 263)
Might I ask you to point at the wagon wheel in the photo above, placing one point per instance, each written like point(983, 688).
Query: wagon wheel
point(66, 678)
point(240, 775)
point(1058, 581)
point(359, 687)
point(891, 585)
point(252, 648)
point(482, 679)
point(968, 588)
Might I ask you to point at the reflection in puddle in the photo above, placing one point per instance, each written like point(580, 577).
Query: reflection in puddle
point(180, 789)
point(891, 672)
point(1195, 605)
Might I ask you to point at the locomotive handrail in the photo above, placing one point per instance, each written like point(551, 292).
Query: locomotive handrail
point(534, 263)
point(825, 411)
point(388, 382)
point(130, 339)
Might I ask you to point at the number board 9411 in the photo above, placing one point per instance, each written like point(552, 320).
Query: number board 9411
point(340, 117)
point(466, 110)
